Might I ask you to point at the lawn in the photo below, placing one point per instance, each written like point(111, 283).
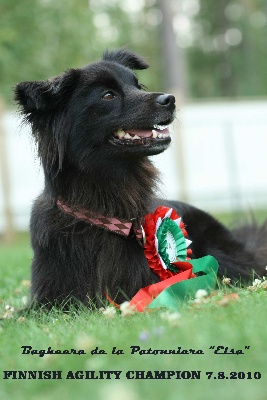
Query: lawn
point(226, 335)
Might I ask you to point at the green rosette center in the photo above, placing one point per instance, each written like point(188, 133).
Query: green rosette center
point(171, 243)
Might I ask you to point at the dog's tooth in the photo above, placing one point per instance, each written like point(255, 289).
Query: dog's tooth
point(154, 134)
point(127, 136)
point(120, 133)
point(160, 127)
point(136, 137)
point(160, 136)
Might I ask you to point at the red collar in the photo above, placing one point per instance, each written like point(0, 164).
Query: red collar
point(127, 228)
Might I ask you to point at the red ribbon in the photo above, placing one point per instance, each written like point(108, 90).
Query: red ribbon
point(144, 296)
point(150, 250)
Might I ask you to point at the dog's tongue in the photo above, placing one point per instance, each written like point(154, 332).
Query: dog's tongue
point(148, 133)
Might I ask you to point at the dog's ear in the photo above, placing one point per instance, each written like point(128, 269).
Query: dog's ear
point(126, 58)
point(45, 95)
point(44, 105)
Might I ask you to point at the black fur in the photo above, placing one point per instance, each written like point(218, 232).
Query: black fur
point(73, 122)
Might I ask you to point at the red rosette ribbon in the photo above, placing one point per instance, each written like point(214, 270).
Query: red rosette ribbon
point(151, 250)
point(166, 250)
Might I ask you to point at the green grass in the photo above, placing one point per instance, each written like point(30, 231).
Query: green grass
point(241, 323)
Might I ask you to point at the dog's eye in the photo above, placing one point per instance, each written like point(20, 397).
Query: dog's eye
point(109, 95)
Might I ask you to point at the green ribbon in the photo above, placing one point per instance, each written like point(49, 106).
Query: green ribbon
point(174, 295)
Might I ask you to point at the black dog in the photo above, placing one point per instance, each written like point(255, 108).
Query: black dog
point(95, 128)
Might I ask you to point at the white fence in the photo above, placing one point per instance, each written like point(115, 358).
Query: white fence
point(224, 147)
point(225, 155)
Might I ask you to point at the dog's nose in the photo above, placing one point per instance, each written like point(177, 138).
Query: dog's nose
point(166, 100)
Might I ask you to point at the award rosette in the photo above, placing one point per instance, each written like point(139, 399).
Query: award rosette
point(168, 254)
point(166, 242)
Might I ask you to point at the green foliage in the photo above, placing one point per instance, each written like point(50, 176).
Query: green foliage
point(39, 39)
point(228, 55)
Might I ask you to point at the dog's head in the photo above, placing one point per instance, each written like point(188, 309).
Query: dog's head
point(99, 111)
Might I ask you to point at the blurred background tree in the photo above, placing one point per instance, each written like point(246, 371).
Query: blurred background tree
point(223, 42)
point(227, 54)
